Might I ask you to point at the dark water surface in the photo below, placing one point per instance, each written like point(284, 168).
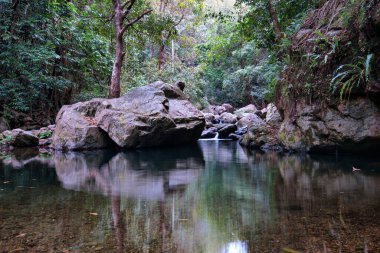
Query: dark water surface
point(210, 197)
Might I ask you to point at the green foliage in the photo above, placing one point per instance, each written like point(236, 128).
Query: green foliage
point(5, 139)
point(348, 76)
point(50, 50)
point(231, 65)
point(257, 22)
point(45, 134)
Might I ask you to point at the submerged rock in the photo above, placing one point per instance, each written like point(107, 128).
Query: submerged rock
point(152, 115)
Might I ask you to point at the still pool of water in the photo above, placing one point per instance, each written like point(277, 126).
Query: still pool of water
point(209, 197)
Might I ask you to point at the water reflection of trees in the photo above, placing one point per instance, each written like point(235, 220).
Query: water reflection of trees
point(141, 186)
point(214, 197)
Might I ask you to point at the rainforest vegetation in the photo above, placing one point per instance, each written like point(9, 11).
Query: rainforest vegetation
point(56, 52)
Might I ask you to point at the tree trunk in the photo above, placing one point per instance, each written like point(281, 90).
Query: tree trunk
point(161, 54)
point(118, 223)
point(118, 62)
point(276, 24)
point(161, 58)
point(120, 14)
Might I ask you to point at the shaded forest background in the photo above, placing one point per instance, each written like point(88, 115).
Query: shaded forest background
point(56, 52)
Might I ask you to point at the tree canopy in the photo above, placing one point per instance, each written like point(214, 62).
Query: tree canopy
point(56, 52)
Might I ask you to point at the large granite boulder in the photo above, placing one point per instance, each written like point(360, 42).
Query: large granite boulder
point(21, 138)
point(76, 128)
point(152, 115)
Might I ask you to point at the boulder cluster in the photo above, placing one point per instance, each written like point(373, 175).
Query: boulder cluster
point(22, 138)
point(252, 127)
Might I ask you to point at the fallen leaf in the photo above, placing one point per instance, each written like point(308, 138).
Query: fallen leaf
point(95, 214)
point(289, 250)
point(17, 250)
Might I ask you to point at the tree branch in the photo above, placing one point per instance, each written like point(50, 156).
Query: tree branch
point(128, 10)
point(180, 20)
point(111, 17)
point(135, 20)
point(132, 2)
point(125, 4)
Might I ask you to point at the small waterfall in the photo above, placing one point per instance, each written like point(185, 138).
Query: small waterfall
point(216, 136)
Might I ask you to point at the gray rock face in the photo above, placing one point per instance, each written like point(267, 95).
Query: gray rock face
point(209, 117)
point(22, 138)
point(350, 126)
point(77, 129)
point(209, 133)
point(229, 108)
point(228, 118)
point(152, 115)
point(244, 111)
point(273, 117)
point(249, 120)
point(261, 137)
point(225, 130)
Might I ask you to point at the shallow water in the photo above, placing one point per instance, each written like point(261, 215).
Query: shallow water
point(210, 197)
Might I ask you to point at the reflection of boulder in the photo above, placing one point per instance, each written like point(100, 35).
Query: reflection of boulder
point(147, 174)
point(20, 157)
point(223, 152)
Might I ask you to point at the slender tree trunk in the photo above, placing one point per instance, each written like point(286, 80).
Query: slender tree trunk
point(120, 14)
point(161, 54)
point(161, 58)
point(116, 69)
point(274, 17)
point(15, 4)
point(172, 42)
point(118, 223)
